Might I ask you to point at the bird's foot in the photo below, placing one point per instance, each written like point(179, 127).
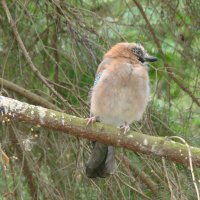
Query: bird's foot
point(91, 120)
point(126, 128)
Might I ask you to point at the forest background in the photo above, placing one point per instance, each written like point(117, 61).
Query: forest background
point(66, 41)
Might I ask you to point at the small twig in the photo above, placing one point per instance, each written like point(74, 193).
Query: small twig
point(29, 95)
point(169, 71)
point(180, 196)
point(142, 175)
point(135, 190)
point(29, 60)
point(4, 157)
point(190, 163)
point(25, 166)
point(167, 177)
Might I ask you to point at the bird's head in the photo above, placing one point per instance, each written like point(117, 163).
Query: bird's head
point(131, 51)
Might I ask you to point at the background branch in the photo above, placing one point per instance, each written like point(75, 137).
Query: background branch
point(169, 71)
point(29, 60)
point(61, 43)
point(29, 95)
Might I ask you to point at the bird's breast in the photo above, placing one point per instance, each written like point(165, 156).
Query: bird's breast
point(121, 95)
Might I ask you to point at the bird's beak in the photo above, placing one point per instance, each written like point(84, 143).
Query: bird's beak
point(148, 58)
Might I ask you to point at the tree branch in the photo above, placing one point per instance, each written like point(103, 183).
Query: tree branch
point(29, 95)
point(139, 173)
point(169, 71)
point(11, 109)
point(29, 60)
point(26, 169)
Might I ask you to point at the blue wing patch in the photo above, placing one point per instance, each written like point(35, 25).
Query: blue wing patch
point(98, 76)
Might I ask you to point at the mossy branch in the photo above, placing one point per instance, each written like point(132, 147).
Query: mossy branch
point(11, 109)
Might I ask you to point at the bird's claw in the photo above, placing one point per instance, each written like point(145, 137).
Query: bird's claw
point(90, 120)
point(126, 128)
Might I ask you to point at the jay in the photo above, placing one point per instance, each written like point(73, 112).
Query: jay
point(119, 97)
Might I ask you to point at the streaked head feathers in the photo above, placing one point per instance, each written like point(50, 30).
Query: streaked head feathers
point(133, 51)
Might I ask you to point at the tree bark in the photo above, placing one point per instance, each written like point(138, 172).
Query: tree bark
point(13, 110)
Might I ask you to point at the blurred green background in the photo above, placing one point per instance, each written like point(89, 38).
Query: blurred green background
point(66, 41)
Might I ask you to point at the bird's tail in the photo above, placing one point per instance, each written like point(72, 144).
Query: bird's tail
point(102, 161)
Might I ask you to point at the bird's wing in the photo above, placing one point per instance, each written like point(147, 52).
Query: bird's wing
point(104, 64)
point(97, 77)
point(101, 68)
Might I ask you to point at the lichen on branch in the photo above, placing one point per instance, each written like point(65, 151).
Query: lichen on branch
point(11, 109)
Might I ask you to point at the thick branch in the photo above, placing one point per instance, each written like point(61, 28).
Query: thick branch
point(17, 111)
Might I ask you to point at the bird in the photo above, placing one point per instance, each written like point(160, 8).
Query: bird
point(119, 97)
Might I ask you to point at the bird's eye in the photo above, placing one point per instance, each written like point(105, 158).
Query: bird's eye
point(138, 52)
